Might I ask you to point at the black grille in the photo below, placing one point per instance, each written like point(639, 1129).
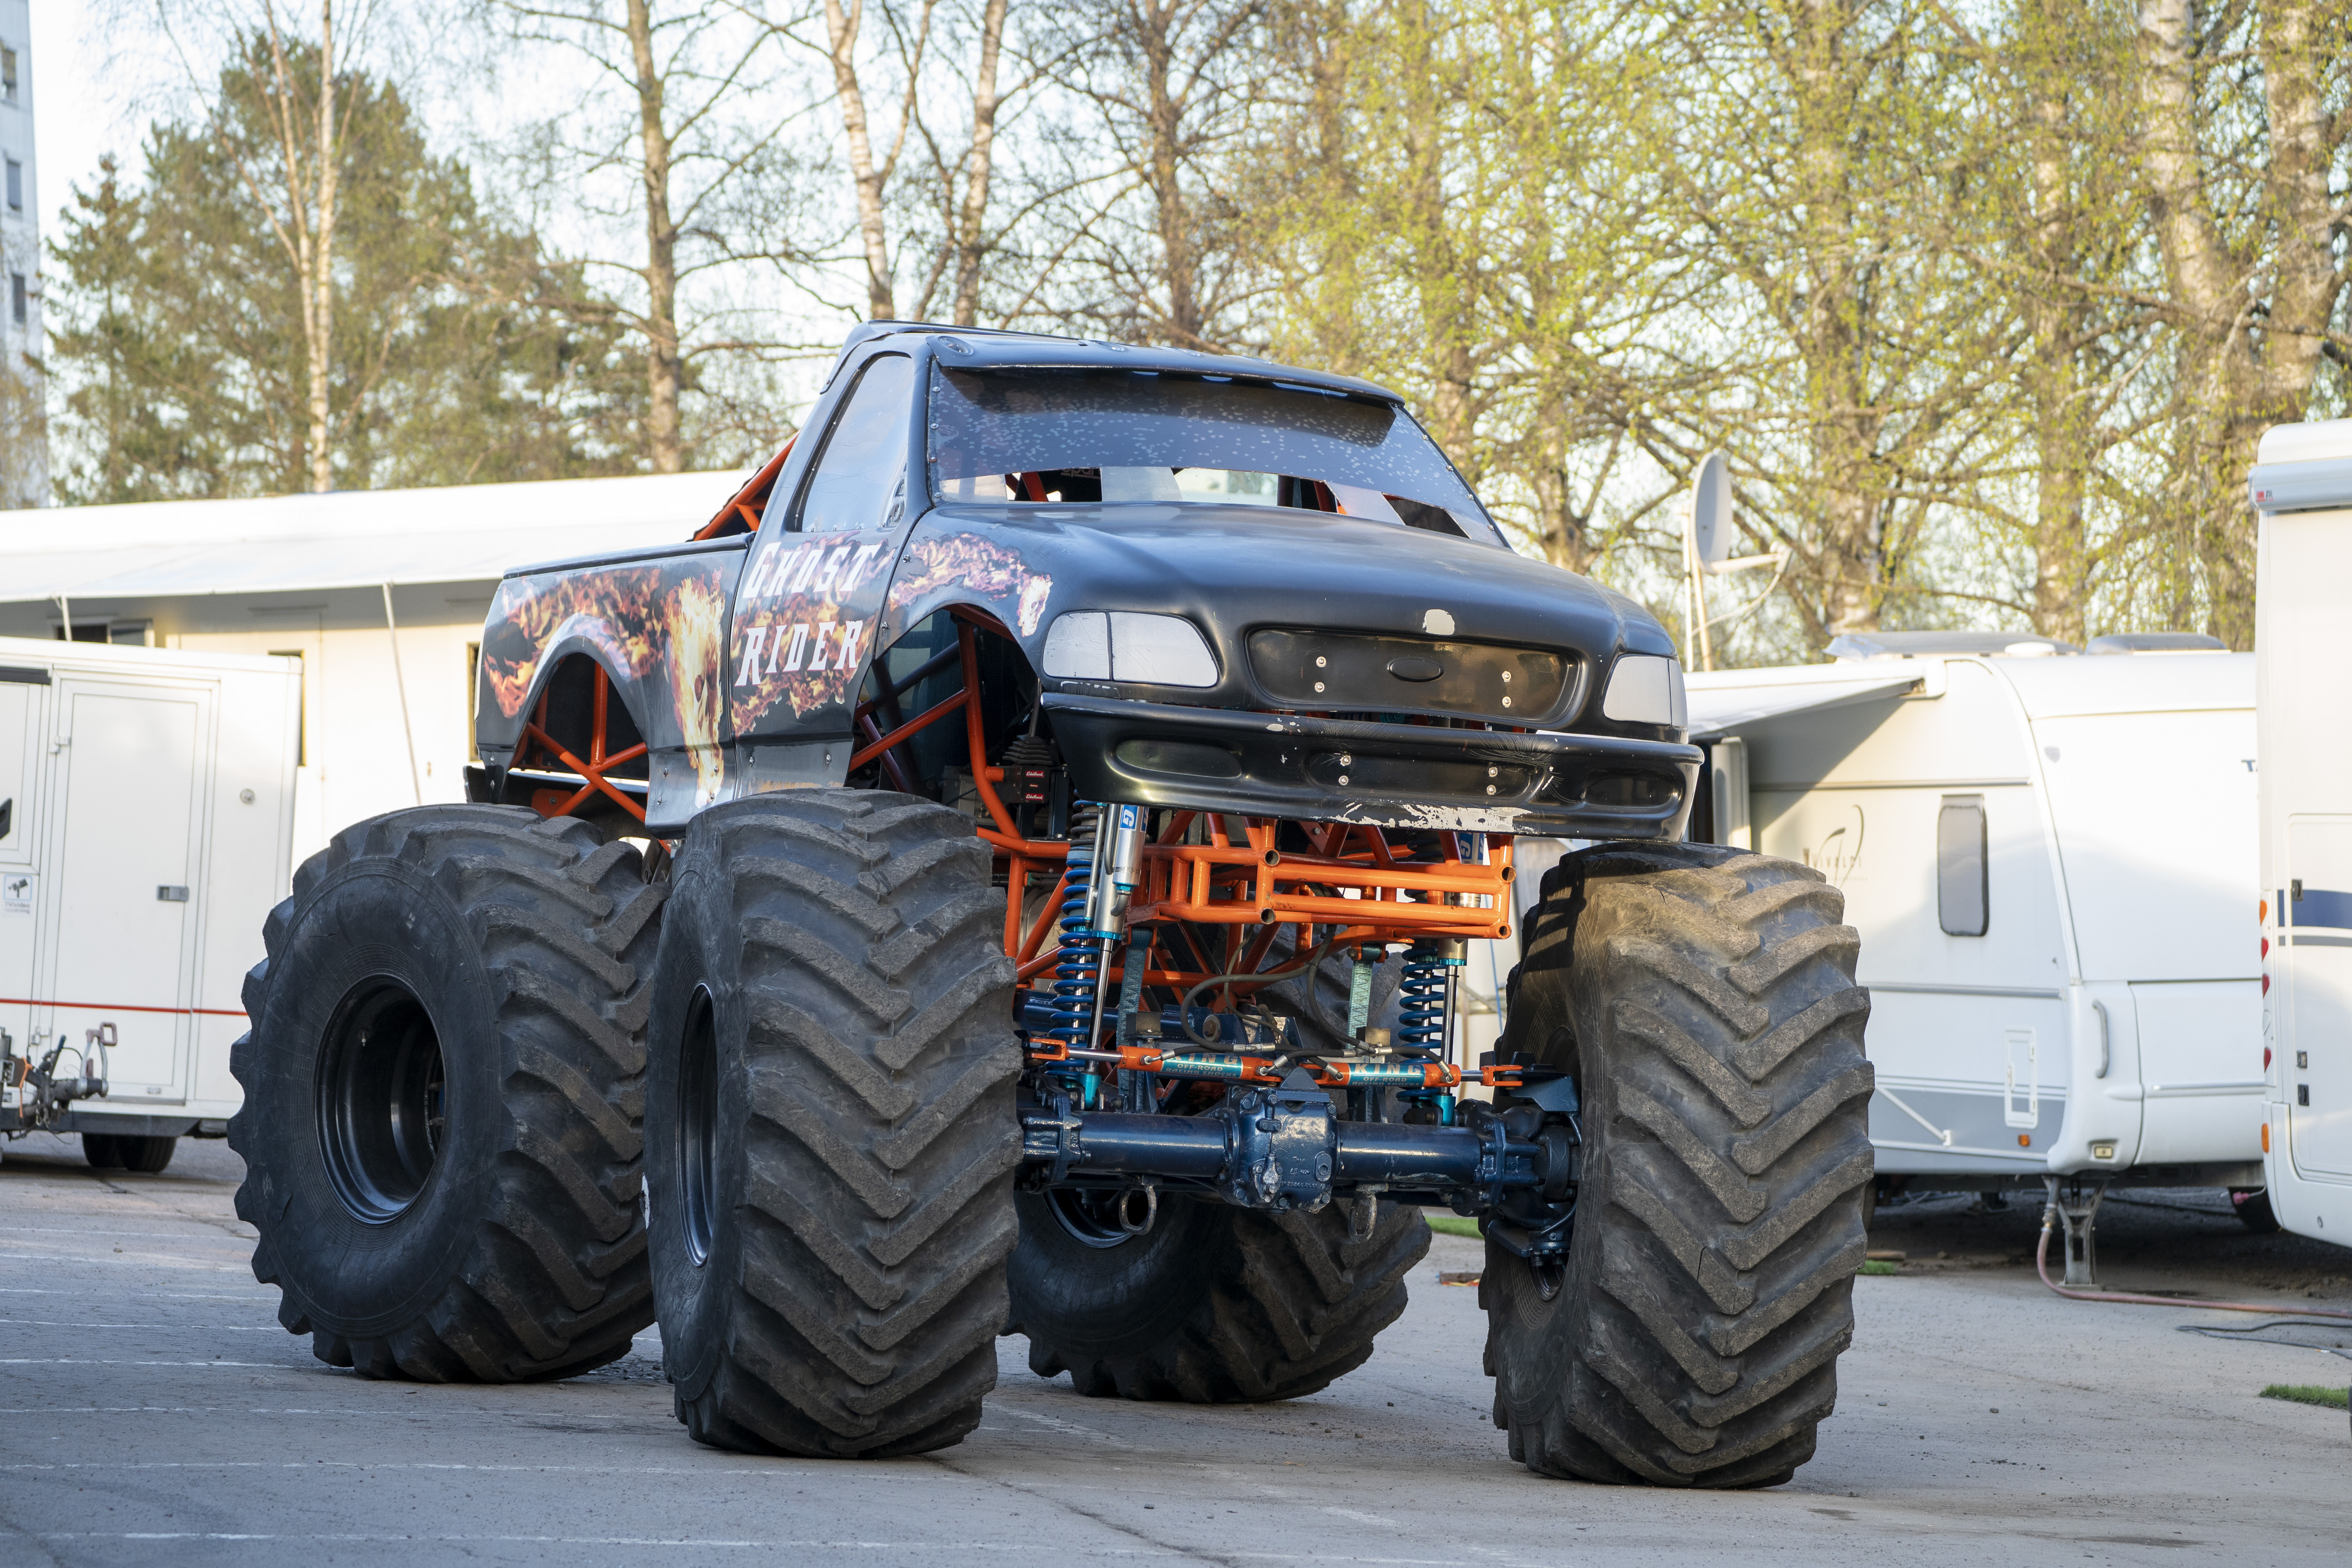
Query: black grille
point(1353, 672)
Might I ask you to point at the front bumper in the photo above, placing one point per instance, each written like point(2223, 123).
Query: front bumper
point(1382, 775)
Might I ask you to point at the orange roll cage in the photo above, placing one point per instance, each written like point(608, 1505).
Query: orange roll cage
point(1234, 889)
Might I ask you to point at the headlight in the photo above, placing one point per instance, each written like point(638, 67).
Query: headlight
point(1122, 644)
point(1646, 689)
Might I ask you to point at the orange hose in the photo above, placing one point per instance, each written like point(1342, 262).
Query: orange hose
point(2042, 1266)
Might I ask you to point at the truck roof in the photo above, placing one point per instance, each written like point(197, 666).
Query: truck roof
point(991, 348)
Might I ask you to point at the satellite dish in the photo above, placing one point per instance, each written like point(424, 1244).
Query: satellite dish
point(1710, 512)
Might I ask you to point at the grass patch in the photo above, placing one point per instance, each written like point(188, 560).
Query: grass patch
point(1877, 1266)
point(2310, 1393)
point(1452, 1225)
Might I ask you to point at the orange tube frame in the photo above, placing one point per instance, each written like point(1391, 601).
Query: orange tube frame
point(593, 767)
point(1354, 877)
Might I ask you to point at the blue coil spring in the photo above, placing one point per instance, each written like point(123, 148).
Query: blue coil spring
point(1078, 974)
point(1421, 1014)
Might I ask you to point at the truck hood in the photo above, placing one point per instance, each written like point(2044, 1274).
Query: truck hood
point(1234, 570)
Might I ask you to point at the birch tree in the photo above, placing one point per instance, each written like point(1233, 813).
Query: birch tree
point(922, 95)
point(685, 115)
point(292, 172)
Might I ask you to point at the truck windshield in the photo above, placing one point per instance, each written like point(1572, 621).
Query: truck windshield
point(1110, 437)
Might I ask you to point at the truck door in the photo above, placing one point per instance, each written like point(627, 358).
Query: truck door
point(808, 603)
point(2315, 922)
point(120, 942)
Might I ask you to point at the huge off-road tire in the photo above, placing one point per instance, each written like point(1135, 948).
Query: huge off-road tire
point(1212, 1305)
point(831, 1127)
point(1704, 998)
point(442, 1088)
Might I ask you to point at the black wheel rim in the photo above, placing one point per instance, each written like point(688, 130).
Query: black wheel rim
point(381, 1099)
point(698, 1125)
point(1091, 1218)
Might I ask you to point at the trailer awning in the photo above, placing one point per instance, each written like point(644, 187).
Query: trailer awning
point(1722, 704)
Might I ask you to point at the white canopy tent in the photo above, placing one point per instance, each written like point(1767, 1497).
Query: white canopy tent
point(381, 593)
point(304, 543)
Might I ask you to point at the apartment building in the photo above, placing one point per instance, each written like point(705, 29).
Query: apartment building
point(24, 453)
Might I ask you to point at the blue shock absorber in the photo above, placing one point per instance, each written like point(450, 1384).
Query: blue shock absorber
point(1078, 974)
point(1432, 970)
point(1422, 1012)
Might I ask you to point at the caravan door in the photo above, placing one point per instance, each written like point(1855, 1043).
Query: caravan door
point(125, 840)
point(2316, 921)
point(24, 703)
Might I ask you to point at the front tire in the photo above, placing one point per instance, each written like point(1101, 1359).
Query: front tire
point(442, 1083)
point(1704, 998)
point(831, 1127)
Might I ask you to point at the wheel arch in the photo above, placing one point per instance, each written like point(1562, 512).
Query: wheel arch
point(587, 702)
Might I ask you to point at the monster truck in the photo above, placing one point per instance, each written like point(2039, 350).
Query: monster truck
point(1010, 872)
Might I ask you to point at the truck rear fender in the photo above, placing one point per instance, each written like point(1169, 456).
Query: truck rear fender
point(656, 629)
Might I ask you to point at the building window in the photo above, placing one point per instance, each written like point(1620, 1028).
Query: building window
point(15, 187)
point(7, 74)
point(16, 297)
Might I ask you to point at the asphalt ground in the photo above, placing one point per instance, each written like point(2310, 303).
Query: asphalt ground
point(152, 1412)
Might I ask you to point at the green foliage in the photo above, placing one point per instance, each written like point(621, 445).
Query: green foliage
point(1987, 306)
point(2311, 1393)
point(22, 435)
point(460, 352)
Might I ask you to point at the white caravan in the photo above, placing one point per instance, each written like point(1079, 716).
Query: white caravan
point(2051, 858)
point(2302, 486)
point(146, 828)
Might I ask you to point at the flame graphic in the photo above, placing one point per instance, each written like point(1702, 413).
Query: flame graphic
point(979, 563)
point(613, 610)
point(698, 636)
point(660, 630)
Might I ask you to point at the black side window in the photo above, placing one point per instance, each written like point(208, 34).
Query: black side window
point(860, 479)
point(1963, 889)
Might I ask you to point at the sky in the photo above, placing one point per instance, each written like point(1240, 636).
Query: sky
point(86, 105)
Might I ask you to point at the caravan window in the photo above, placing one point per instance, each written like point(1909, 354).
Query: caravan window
point(1962, 890)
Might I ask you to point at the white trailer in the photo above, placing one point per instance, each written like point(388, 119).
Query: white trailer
point(2051, 858)
point(2302, 486)
point(146, 828)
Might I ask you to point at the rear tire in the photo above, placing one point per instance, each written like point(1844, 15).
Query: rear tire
point(443, 1155)
point(146, 1155)
point(1212, 1305)
point(102, 1149)
point(1704, 997)
point(831, 1126)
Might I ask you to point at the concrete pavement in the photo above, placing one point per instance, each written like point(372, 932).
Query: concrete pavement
point(152, 1412)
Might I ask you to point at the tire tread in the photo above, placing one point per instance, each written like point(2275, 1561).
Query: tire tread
point(1708, 1293)
point(555, 1282)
